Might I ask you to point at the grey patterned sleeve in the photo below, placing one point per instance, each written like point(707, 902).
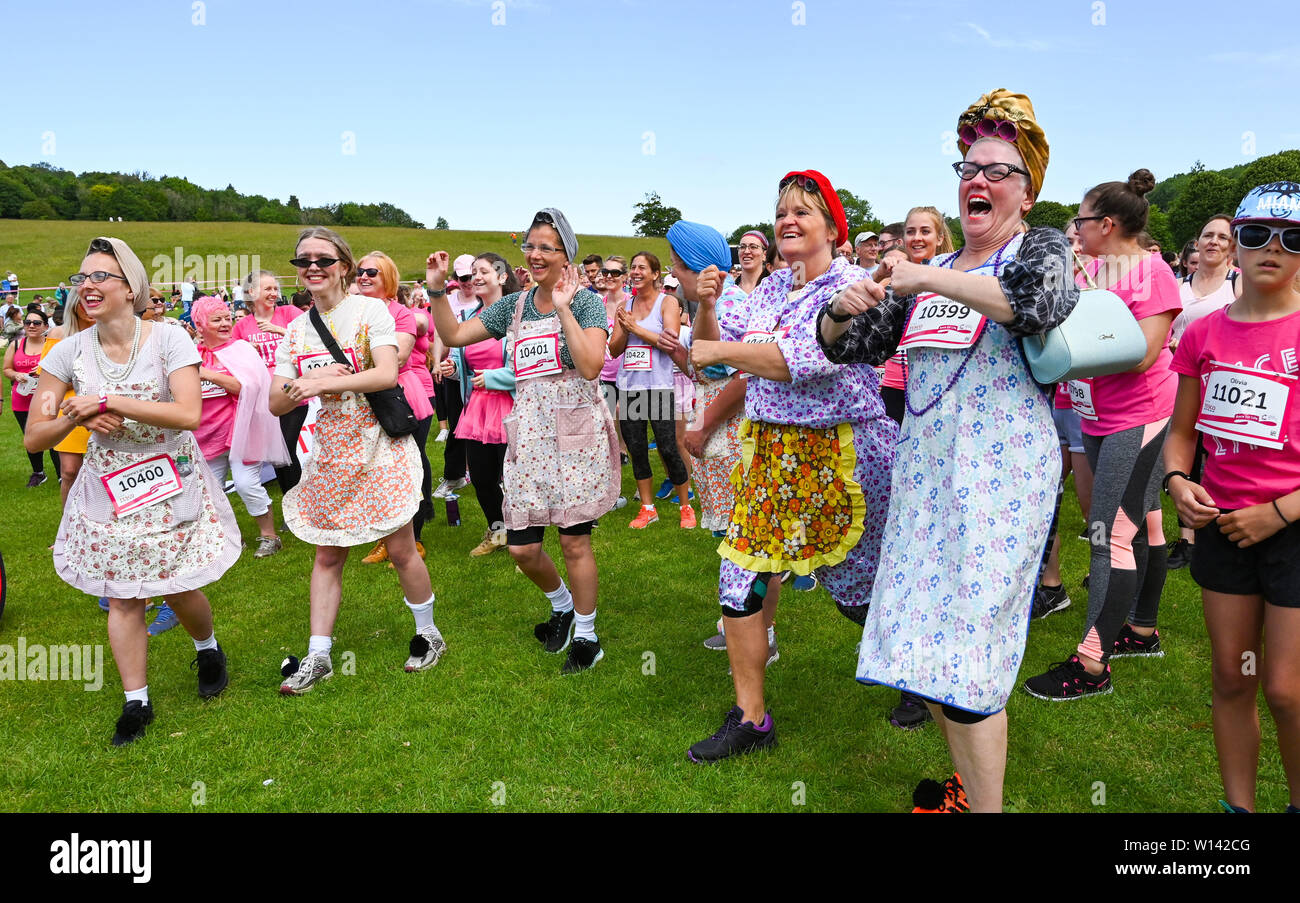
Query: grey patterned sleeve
point(1038, 283)
point(872, 337)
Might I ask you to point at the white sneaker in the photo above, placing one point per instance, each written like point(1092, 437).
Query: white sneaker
point(427, 646)
point(311, 671)
point(449, 487)
point(442, 436)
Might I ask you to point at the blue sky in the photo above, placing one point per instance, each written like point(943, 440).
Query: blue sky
point(587, 105)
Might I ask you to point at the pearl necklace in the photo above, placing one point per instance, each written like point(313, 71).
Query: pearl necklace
point(108, 369)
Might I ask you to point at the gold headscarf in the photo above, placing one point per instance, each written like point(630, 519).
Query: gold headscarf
point(1030, 140)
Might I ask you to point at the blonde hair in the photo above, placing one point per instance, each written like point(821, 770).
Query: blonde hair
point(800, 196)
point(388, 275)
point(940, 227)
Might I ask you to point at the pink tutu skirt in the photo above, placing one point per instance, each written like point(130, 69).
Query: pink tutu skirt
point(483, 415)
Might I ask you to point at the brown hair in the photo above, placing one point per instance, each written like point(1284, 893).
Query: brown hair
point(342, 247)
point(1124, 202)
point(650, 259)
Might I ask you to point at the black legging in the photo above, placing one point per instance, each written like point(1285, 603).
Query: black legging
point(657, 407)
point(290, 426)
point(425, 512)
point(38, 463)
point(486, 465)
point(453, 456)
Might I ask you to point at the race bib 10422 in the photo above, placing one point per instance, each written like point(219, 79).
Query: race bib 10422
point(637, 358)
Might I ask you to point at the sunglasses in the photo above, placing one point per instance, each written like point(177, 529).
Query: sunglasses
point(994, 172)
point(33, 322)
point(988, 128)
point(306, 263)
point(807, 183)
point(372, 272)
point(96, 277)
point(1254, 236)
point(612, 273)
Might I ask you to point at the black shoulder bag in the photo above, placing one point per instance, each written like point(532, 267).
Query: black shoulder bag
point(391, 408)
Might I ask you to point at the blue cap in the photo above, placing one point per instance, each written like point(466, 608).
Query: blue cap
point(1271, 201)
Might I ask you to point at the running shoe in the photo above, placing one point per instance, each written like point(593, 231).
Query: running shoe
point(267, 546)
point(35, 480)
point(213, 676)
point(1241, 810)
point(688, 518)
point(717, 642)
point(492, 542)
point(1083, 534)
point(1068, 680)
point(690, 496)
point(1131, 644)
point(1048, 600)
point(620, 502)
point(164, 621)
point(1180, 554)
point(910, 713)
point(442, 436)
point(103, 603)
point(583, 654)
point(135, 717)
point(427, 646)
point(377, 554)
point(555, 633)
point(805, 584)
point(931, 796)
point(734, 738)
point(311, 671)
point(449, 487)
point(664, 490)
point(645, 517)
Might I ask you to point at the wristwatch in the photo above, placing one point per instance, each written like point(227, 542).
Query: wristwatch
point(829, 310)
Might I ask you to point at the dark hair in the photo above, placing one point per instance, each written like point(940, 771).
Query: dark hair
point(501, 265)
point(1170, 258)
point(894, 229)
point(1223, 216)
point(403, 295)
point(650, 259)
point(770, 258)
point(35, 308)
point(1124, 202)
point(590, 258)
point(1188, 250)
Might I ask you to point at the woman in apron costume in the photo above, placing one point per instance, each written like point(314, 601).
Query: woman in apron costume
point(145, 516)
point(561, 465)
point(978, 463)
point(817, 448)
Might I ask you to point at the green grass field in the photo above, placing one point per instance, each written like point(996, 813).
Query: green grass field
point(495, 726)
point(44, 253)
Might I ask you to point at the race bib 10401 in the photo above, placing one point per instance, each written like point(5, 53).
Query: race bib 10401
point(538, 355)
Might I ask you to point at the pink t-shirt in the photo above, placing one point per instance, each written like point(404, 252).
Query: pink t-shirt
point(1061, 400)
point(407, 376)
point(895, 376)
point(1126, 400)
point(266, 342)
point(217, 422)
point(1237, 474)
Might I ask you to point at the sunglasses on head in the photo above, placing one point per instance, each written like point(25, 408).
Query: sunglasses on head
point(305, 263)
point(372, 272)
point(611, 272)
point(96, 277)
point(1253, 236)
point(988, 128)
point(807, 183)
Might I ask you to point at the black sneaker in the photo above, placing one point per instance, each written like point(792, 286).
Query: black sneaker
point(1048, 600)
point(554, 634)
point(1130, 644)
point(135, 717)
point(583, 654)
point(213, 676)
point(734, 738)
point(910, 713)
point(1068, 680)
point(1180, 554)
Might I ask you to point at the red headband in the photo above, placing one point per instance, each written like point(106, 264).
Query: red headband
point(832, 202)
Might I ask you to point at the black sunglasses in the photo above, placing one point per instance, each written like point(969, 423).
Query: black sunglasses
point(611, 272)
point(372, 272)
point(96, 277)
point(305, 263)
point(807, 183)
point(1253, 236)
point(33, 322)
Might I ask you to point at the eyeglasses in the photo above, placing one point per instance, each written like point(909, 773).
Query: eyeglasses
point(1253, 236)
point(748, 247)
point(988, 128)
point(96, 277)
point(529, 247)
point(807, 183)
point(372, 272)
point(994, 172)
point(305, 263)
point(613, 274)
point(1080, 220)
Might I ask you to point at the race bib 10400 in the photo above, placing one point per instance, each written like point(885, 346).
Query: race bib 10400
point(140, 485)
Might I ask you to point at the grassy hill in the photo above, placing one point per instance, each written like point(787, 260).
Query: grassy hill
point(43, 253)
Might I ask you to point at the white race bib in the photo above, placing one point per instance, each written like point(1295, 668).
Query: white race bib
point(937, 322)
point(1081, 398)
point(314, 360)
point(538, 355)
point(637, 357)
point(141, 485)
point(1245, 404)
point(211, 390)
point(759, 337)
point(26, 384)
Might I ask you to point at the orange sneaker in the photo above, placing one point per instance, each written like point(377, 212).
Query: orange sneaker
point(931, 796)
point(645, 517)
point(688, 517)
point(377, 554)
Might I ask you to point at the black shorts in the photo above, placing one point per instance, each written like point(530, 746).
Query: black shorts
point(530, 535)
point(1270, 568)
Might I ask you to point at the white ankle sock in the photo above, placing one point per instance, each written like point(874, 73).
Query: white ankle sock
point(584, 626)
point(209, 643)
point(140, 695)
point(423, 613)
point(771, 635)
point(561, 599)
point(320, 644)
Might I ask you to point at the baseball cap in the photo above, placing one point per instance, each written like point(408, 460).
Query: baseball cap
point(1270, 201)
point(864, 236)
point(671, 282)
point(464, 265)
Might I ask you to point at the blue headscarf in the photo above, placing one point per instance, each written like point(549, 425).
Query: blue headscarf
point(699, 246)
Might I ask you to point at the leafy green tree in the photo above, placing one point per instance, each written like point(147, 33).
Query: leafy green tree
point(1206, 193)
point(765, 228)
point(441, 224)
point(1050, 213)
point(857, 211)
point(13, 194)
point(653, 217)
point(40, 208)
point(1280, 167)
point(1158, 229)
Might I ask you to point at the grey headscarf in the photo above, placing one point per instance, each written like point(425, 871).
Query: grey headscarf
point(552, 217)
point(132, 268)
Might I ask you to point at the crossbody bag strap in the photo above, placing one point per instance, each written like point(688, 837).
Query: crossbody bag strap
point(327, 337)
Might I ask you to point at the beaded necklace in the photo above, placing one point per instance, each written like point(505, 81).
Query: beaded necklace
point(110, 371)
